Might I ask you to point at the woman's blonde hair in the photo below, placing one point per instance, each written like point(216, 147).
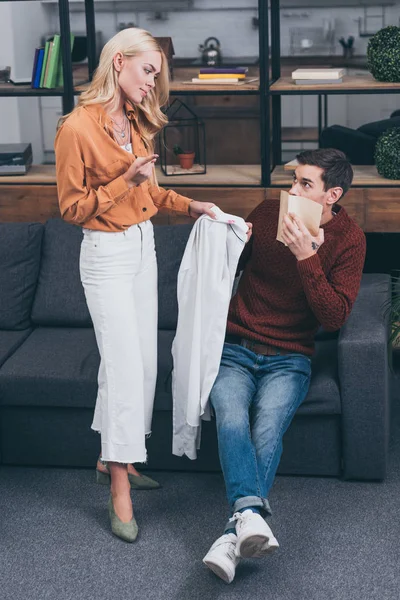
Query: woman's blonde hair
point(104, 88)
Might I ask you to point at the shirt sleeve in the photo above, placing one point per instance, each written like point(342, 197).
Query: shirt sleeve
point(331, 298)
point(169, 199)
point(77, 203)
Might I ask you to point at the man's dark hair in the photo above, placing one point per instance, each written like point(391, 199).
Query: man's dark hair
point(337, 171)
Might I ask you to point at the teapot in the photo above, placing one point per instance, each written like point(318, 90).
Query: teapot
point(211, 54)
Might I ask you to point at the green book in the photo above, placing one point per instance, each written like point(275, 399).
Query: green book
point(53, 60)
point(60, 74)
point(42, 74)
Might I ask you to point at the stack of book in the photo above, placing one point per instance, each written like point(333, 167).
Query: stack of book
point(221, 75)
point(47, 69)
point(317, 76)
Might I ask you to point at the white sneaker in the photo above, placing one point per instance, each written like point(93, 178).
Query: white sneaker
point(254, 536)
point(222, 558)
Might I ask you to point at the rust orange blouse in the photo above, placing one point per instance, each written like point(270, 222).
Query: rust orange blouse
point(90, 164)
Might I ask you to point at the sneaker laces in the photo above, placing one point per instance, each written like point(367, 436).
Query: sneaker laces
point(238, 519)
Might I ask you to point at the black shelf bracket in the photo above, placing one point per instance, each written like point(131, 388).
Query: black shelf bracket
point(263, 40)
point(65, 31)
point(91, 37)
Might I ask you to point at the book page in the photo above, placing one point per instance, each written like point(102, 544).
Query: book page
point(307, 210)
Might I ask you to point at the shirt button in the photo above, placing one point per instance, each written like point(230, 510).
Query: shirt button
point(144, 209)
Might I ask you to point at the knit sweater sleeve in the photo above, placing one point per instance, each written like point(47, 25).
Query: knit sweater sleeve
point(331, 298)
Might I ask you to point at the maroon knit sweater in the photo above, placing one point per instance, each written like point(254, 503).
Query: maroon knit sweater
point(283, 301)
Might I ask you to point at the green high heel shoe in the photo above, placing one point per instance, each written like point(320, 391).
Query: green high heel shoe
point(138, 482)
point(126, 531)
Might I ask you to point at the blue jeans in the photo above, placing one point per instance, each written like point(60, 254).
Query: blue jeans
point(255, 398)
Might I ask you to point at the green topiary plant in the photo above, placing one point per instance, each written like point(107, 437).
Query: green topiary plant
point(383, 54)
point(387, 154)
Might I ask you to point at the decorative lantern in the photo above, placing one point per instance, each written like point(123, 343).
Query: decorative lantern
point(182, 142)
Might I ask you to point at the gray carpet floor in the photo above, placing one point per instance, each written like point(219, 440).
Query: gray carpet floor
point(338, 540)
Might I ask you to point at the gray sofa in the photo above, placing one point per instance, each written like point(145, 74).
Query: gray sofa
point(49, 362)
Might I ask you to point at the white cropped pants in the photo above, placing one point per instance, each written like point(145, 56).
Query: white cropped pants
point(119, 276)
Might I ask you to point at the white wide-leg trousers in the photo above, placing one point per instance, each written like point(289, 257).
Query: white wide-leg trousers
point(119, 276)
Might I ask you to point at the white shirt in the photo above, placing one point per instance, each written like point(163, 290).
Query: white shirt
point(205, 282)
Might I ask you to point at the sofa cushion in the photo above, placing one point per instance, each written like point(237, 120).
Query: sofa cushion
point(54, 367)
point(58, 367)
point(59, 298)
point(376, 128)
point(170, 242)
point(19, 267)
point(323, 397)
point(10, 341)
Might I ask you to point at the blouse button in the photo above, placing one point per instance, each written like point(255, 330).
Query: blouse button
point(144, 209)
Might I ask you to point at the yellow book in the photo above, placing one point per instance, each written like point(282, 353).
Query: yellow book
point(222, 76)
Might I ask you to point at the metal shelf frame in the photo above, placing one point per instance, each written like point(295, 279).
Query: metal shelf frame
point(275, 94)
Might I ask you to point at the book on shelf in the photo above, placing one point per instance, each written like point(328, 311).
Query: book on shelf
point(47, 69)
point(39, 64)
point(229, 70)
point(53, 63)
point(215, 81)
point(318, 81)
point(291, 165)
point(318, 74)
point(60, 70)
point(48, 61)
point(34, 68)
point(230, 81)
point(43, 71)
point(222, 75)
point(307, 210)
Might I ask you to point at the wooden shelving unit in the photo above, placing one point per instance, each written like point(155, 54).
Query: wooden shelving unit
point(80, 76)
point(299, 134)
point(217, 175)
point(365, 84)
point(364, 176)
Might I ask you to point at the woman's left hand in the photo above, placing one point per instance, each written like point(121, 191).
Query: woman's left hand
point(196, 209)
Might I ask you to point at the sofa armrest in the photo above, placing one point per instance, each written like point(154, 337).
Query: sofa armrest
point(364, 381)
point(358, 147)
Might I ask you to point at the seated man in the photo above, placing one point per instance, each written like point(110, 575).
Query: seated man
point(284, 295)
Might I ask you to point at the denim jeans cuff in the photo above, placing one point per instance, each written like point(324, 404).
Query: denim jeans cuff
point(256, 501)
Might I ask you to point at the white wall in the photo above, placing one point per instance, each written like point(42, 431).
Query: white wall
point(9, 119)
point(231, 23)
point(21, 26)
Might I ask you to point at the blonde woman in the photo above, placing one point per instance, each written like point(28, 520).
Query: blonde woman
point(106, 185)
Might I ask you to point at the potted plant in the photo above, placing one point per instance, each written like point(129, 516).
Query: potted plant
point(383, 54)
point(186, 158)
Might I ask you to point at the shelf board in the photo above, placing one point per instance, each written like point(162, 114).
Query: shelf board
point(182, 75)
point(365, 84)
point(364, 176)
point(223, 175)
point(227, 175)
point(37, 175)
point(80, 74)
point(299, 134)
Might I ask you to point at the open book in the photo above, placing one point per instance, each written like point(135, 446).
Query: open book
point(307, 210)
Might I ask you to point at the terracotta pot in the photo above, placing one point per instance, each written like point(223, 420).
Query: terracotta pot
point(186, 160)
